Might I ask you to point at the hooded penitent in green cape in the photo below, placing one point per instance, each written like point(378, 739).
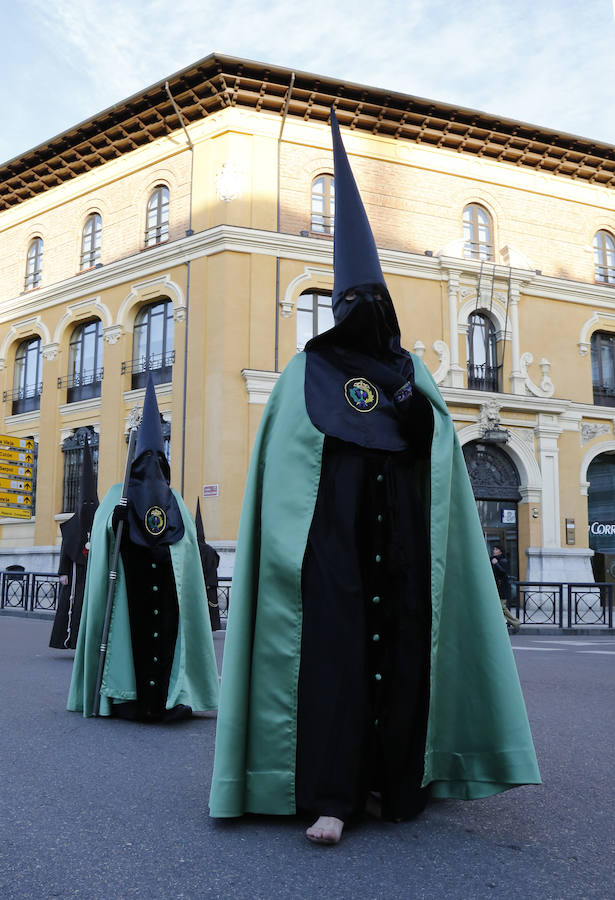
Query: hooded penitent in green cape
point(478, 737)
point(366, 648)
point(160, 661)
point(194, 675)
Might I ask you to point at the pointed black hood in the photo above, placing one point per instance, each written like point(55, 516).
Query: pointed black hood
point(198, 521)
point(154, 517)
point(364, 315)
point(209, 556)
point(76, 531)
point(355, 257)
point(358, 380)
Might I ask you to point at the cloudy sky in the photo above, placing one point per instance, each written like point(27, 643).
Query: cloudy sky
point(549, 62)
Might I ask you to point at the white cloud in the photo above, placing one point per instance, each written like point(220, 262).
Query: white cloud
point(541, 62)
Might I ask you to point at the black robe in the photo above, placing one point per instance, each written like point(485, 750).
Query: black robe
point(364, 676)
point(68, 614)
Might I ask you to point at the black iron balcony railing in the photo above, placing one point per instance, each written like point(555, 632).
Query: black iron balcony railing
point(483, 377)
point(604, 395)
point(82, 386)
point(24, 399)
point(159, 364)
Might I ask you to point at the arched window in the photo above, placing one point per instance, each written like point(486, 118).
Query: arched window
point(72, 449)
point(483, 370)
point(90, 241)
point(323, 204)
point(84, 362)
point(603, 367)
point(34, 264)
point(27, 380)
point(604, 257)
point(314, 315)
point(157, 224)
point(477, 232)
point(152, 346)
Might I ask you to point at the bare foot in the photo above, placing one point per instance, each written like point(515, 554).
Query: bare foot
point(325, 830)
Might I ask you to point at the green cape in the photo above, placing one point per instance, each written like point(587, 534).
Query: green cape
point(478, 737)
point(194, 675)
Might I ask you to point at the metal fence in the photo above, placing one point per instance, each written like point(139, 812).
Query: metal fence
point(29, 590)
point(224, 592)
point(564, 604)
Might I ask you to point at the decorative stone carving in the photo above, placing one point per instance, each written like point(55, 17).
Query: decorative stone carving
point(489, 415)
point(50, 351)
point(591, 430)
point(286, 308)
point(545, 388)
point(524, 434)
point(441, 348)
point(419, 348)
point(179, 314)
point(112, 334)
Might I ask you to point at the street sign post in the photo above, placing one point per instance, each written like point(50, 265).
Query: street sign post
point(17, 476)
point(20, 487)
point(10, 512)
point(7, 498)
point(20, 457)
point(15, 471)
point(17, 443)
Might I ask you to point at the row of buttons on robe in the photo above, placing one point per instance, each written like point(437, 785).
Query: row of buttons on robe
point(376, 599)
point(155, 634)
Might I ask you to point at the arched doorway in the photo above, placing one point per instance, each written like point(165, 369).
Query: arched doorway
point(495, 482)
point(601, 515)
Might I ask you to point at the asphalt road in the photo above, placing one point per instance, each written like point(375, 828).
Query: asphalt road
point(110, 809)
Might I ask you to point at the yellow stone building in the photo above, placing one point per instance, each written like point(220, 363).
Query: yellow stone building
point(188, 230)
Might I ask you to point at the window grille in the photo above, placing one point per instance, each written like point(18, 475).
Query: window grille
point(72, 448)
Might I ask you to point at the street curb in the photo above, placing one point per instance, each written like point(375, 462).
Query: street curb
point(585, 631)
point(28, 614)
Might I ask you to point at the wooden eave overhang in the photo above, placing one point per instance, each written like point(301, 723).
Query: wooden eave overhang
point(221, 81)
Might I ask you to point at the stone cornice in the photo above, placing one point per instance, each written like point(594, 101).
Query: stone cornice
point(224, 238)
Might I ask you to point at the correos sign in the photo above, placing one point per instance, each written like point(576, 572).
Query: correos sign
point(602, 527)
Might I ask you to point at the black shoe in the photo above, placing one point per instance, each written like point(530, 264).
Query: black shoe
point(177, 713)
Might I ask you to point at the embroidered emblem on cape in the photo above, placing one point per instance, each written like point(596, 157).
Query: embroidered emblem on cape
point(155, 520)
point(403, 393)
point(361, 394)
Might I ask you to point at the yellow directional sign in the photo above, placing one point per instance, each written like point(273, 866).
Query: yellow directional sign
point(17, 456)
point(19, 499)
point(16, 471)
point(21, 487)
point(19, 443)
point(12, 513)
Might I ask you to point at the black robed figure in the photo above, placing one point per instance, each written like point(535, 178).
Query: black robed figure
point(73, 559)
point(157, 662)
point(210, 561)
point(363, 682)
point(365, 649)
point(152, 523)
